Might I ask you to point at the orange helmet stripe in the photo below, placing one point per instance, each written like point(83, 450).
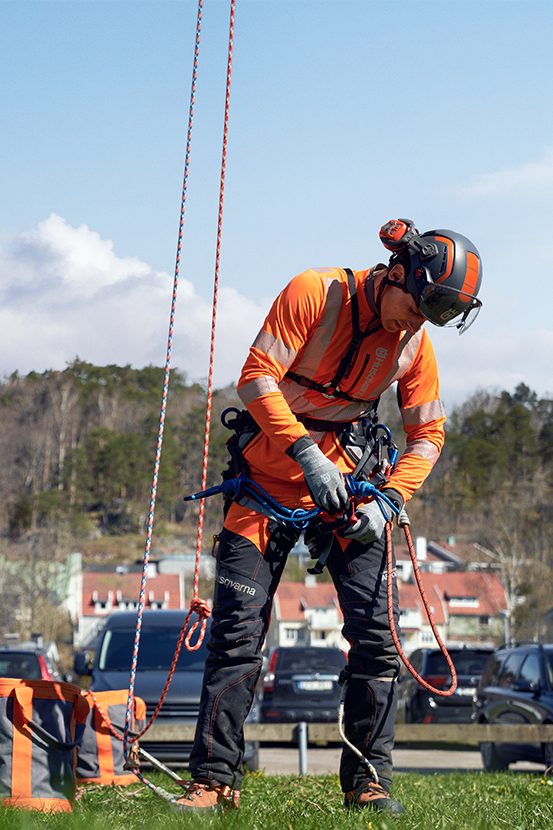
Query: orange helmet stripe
point(471, 277)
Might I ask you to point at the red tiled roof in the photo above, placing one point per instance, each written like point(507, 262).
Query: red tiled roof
point(402, 554)
point(129, 585)
point(441, 588)
point(294, 597)
point(410, 599)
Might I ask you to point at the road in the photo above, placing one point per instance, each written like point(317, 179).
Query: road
point(279, 760)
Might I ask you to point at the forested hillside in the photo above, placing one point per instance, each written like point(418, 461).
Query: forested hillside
point(493, 486)
point(78, 449)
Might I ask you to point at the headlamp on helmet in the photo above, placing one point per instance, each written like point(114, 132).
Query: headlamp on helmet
point(443, 273)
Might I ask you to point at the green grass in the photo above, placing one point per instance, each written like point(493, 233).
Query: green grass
point(463, 801)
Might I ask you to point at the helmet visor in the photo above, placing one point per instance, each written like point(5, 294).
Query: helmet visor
point(445, 306)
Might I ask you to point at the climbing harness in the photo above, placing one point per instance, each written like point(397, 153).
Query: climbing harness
point(297, 517)
point(332, 388)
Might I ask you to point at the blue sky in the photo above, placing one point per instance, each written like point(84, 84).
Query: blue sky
point(343, 115)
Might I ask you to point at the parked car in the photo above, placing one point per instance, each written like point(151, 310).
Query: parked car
point(418, 705)
point(516, 686)
point(158, 639)
point(29, 662)
point(301, 684)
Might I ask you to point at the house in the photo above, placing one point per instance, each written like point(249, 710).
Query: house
point(107, 589)
point(431, 557)
point(306, 613)
point(440, 557)
point(467, 606)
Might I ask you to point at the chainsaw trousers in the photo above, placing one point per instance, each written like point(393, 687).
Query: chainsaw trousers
point(245, 583)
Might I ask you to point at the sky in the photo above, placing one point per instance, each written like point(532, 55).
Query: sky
point(343, 114)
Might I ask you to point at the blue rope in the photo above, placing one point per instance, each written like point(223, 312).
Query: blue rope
point(298, 518)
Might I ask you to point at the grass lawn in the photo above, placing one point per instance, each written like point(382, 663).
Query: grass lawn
point(475, 801)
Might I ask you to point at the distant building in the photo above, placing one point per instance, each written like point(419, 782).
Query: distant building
point(107, 589)
point(467, 606)
point(306, 613)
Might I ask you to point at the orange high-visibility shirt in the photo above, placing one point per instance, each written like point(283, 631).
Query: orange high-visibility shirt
point(307, 331)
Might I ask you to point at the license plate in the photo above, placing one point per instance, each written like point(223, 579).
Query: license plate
point(315, 685)
point(467, 691)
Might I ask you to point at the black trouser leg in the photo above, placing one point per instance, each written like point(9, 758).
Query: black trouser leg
point(360, 576)
point(245, 584)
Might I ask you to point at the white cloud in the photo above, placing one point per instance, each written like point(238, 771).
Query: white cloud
point(532, 179)
point(63, 293)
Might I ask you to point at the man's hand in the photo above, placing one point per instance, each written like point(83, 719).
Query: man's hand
point(370, 523)
point(324, 480)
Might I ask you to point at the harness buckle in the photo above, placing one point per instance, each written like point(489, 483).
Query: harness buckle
point(333, 388)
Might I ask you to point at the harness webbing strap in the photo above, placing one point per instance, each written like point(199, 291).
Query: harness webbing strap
point(333, 426)
point(322, 425)
point(332, 390)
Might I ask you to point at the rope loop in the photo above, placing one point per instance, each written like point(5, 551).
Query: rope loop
point(390, 562)
point(202, 609)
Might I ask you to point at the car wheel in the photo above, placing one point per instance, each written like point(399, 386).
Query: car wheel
point(491, 761)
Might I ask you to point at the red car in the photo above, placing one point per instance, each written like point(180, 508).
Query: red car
point(28, 664)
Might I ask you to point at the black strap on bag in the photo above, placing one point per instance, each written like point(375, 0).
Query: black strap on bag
point(53, 742)
point(332, 389)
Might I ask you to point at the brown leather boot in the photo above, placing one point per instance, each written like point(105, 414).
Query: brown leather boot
point(212, 796)
point(374, 796)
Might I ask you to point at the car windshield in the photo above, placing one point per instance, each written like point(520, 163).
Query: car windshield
point(157, 648)
point(465, 662)
point(21, 665)
point(310, 659)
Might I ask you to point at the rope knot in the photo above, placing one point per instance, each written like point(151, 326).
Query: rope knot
point(201, 608)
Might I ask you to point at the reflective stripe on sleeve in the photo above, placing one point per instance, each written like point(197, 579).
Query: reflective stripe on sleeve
point(257, 388)
point(275, 348)
point(424, 449)
point(416, 415)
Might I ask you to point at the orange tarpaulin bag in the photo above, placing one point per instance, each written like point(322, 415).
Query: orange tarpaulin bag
point(100, 756)
point(41, 723)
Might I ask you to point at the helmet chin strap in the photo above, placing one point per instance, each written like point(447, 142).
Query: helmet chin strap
point(375, 294)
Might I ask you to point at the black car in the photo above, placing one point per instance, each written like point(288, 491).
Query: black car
point(158, 639)
point(516, 686)
point(418, 705)
point(29, 662)
point(301, 684)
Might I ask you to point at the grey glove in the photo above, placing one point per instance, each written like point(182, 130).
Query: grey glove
point(370, 523)
point(402, 518)
point(324, 480)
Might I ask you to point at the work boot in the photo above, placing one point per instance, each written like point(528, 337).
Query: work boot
point(212, 796)
point(374, 796)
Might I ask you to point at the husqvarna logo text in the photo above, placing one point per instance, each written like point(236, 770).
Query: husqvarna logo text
point(380, 355)
point(229, 583)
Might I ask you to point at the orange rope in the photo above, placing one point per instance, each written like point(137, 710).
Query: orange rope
point(201, 606)
point(197, 605)
point(416, 571)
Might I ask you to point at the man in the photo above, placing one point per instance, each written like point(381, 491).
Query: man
point(333, 341)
